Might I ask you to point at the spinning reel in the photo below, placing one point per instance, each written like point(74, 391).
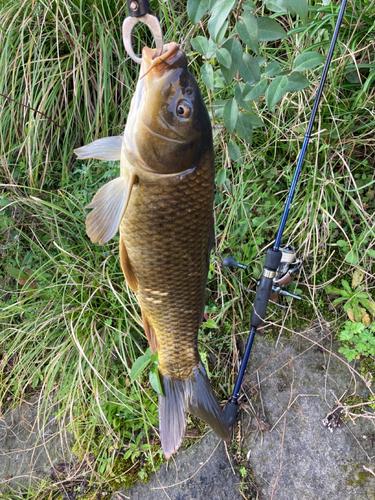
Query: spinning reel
point(285, 273)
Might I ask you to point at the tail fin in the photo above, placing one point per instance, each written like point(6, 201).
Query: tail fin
point(194, 395)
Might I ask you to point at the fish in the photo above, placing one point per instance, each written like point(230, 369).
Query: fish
point(162, 205)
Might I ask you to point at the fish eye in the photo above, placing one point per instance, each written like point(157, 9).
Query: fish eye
point(183, 109)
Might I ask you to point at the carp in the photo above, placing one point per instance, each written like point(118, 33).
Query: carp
point(162, 204)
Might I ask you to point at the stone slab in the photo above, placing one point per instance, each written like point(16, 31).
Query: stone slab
point(298, 458)
point(201, 472)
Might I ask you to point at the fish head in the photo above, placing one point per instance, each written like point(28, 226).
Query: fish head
point(168, 129)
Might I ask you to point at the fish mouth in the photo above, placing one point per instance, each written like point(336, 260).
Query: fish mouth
point(170, 56)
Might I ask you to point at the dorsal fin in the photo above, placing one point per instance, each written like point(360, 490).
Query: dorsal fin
point(109, 205)
point(107, 149)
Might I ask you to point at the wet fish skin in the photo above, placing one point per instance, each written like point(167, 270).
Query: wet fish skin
point(167, 226)
point(166, 230)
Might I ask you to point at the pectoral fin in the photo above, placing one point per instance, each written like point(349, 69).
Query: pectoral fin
point(107, 149)
point(126, 267)
point(109, 205)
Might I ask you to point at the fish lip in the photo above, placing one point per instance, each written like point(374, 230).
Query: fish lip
point(159, 64)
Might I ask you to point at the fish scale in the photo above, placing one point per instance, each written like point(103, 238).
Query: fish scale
point(172, 262)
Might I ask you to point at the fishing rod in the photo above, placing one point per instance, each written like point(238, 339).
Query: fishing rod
point(277, 271)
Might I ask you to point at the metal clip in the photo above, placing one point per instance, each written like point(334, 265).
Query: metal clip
point(153, 23)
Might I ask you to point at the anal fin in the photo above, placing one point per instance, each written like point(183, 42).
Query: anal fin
point(109, 205)
point(126, 267)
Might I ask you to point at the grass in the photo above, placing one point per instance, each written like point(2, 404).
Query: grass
point(69, 325)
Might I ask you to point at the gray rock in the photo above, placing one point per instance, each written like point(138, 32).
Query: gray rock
point(299, 458)
point(200, 472)
point(29, 445)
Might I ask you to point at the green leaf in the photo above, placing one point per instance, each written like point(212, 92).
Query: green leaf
point(234, 47)
point(353, 77)
point(218, 19)
point(296, 81)
point(308, 60)
point(247, 29)
point(249, 6)
point(249, 69)
point(218, 108)
point(272, 69)
point(207, 74)
point(196, 9)
point(276, 6)
point(350, 354)
point(224, 57)
point(230, 115)
point(345, 335)
point(369, 305)
point(276, 91)
point(260, 60)
point(154, 358)
point(352, 258)
point(218, 82)
point(200, 44)
point(4, 202)
point(16, 273)
point(332, 290)
point(155, 380)
point(238, 94)
point(221, 35)
point(244, 128)
point(140, 364)
point(210, 323)
point(269, 30)
point(221, 176)
point(343, 244)
point(258, 221)
point(235, 152)
point(346, 286)
point(252, 93)
point(339, 300)
point(211, 50)
point(300, 7)
point(255, 121)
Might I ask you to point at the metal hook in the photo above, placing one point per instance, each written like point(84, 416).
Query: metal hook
point(153, 23)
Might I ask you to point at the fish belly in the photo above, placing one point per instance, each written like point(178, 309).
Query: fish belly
point(166, 231)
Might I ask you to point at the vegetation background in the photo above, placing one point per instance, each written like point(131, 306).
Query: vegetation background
point(70, 328)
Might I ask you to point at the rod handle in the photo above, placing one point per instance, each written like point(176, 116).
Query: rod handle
point(230, 413)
